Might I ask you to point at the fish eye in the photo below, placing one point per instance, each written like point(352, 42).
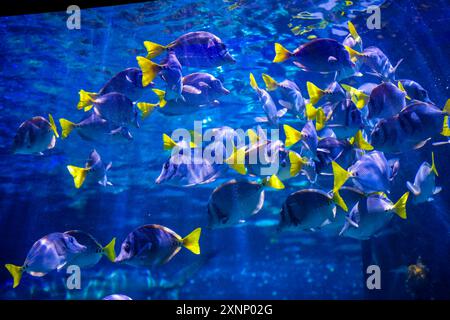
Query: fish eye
point(166, 165)
point(126, 247)
point(283, 164)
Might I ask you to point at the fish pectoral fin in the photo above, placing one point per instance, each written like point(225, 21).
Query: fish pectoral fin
point(332, 59)
point(261, 119)
point(191, 89)
point(61, 266)
point(414, 189)
point(204, 85)
point(437, 190)
point(281, 112)
point(285, 104)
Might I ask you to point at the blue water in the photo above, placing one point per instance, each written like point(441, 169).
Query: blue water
point(44, 65)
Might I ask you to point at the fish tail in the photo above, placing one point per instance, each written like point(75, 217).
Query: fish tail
point(354, 55)
point(340, 176)
point(297, 163)
point(153, 49)
point(447, 107)
point(253, 83)
point(433, 165)
point(149, 70)
point(281, 53)
point(16, 272)
point(161, 94)
point(314, 92)
point(274, 182)
point(146, 108)
point(270, 82)
point(400, 206)
point(310, 111)
point(168, 143)
point(237, 160)
point(252, 136)
point(361, 143)
point(339, 201)
point(292, 135)
point(353, 32)
point(53, 125)
point(109, 251)
point(359, 98)
point(78, 174)
point(445, 129)
point(66, 126)
point(190, 242)
point(321, 118)
point(86, 100)
point(402, 88)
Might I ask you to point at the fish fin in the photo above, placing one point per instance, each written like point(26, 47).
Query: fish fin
point(353, 32)
point(320, 119)
point(332, 59)
point(361, 143)
point(445, 129)
point(326, 222)
point(421, 144)
point(402, 88)
point(109, 251)
point(66, 126)
point(261, 119)
point(153, 49)
point(53, 125)
point(446, 108)
point(204, 85)
point(292, 135)
point(190, 242)
point(340, 176)
point(161, 94)
point(146, 108)
point(274, 182)
point(437, 190)
point(271, 84)
point(281, 53)
point(86, 99)
point(149, 70)
point(237, 160)
point(191, 89)
point(359, 98)
point(314, 92)
point(253, 83)
point(168, 143)
point(16, 272)
point(299, 65)
point(78, 174)
point(433, 165)
point(285, 104)
point(339, 201)
point(252, 136)
point(311, 111)
point(400, 206)
point(353, 53)
point(323, 150)
point(413, 188)
point(352, 223)
point(394, 68)
point(281, 112)
point(108, 166)
point(297, 163)
point(61, 266)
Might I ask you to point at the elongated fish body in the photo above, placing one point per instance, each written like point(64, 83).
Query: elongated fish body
point(376, 60)
point(201, 49)
point(386, 100)
point(149, 245)
point(307, 209)
point(34, 136)
point(292, 98)
point(424, 187)
point(95, 128)
point(171, 74)
point(233, 202)
point(128, 82)
point(415, 91)
point(345, 120)
point(97, 168)
point(370, 215)
point(332, 149)
point(50, 253)
point(115, 108)
point(93, 253)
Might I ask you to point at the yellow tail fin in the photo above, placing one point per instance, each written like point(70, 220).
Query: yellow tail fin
point(161, 94)
point(271, 84)
point(352, 30)
point(353, 53)
point(402, 88)
point(78, 174)
point(311, 111)
point(16, 273)
point(53, 125)
point(321, 118)
point(149, 70)
point(359, 141)
point(153, 49)
point(146, 108)
point(400, 207)
point(339, 201)
point(297, 163)
point(273, 182)
point(340, 176)
point(281, 54)
point(109, 251)
point(433, 165)
point(253, 83)
point(359, 98)
point(86, 100)
point(66, 127)
point(237, 160)
point(190, 242)
point(445, 129)
point(252, 136)
point(168, 143)
point(292, 135)
point(314, 92)
point(447, 107)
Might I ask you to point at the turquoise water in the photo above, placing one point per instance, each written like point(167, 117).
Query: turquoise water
point(43, 67)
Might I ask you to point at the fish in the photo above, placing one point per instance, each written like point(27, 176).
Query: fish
point(52, 252)
point(424, 186)
point(415, 91)
point(153, 245)
point(94, 167)
point(198, 49)
point(332, 94)
point(35, 135)
point(411, 128)
point(345, 120)
point(95, 128)
point(273, 115)
point(291, 96)
point(371, 173)
point(117, 297)
point(369, 216)
point(307, 136)
point(235, 201)
point(94, 250)
point(309, 209)
point(319, 55)
point(170, 71)
point(332, 149)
